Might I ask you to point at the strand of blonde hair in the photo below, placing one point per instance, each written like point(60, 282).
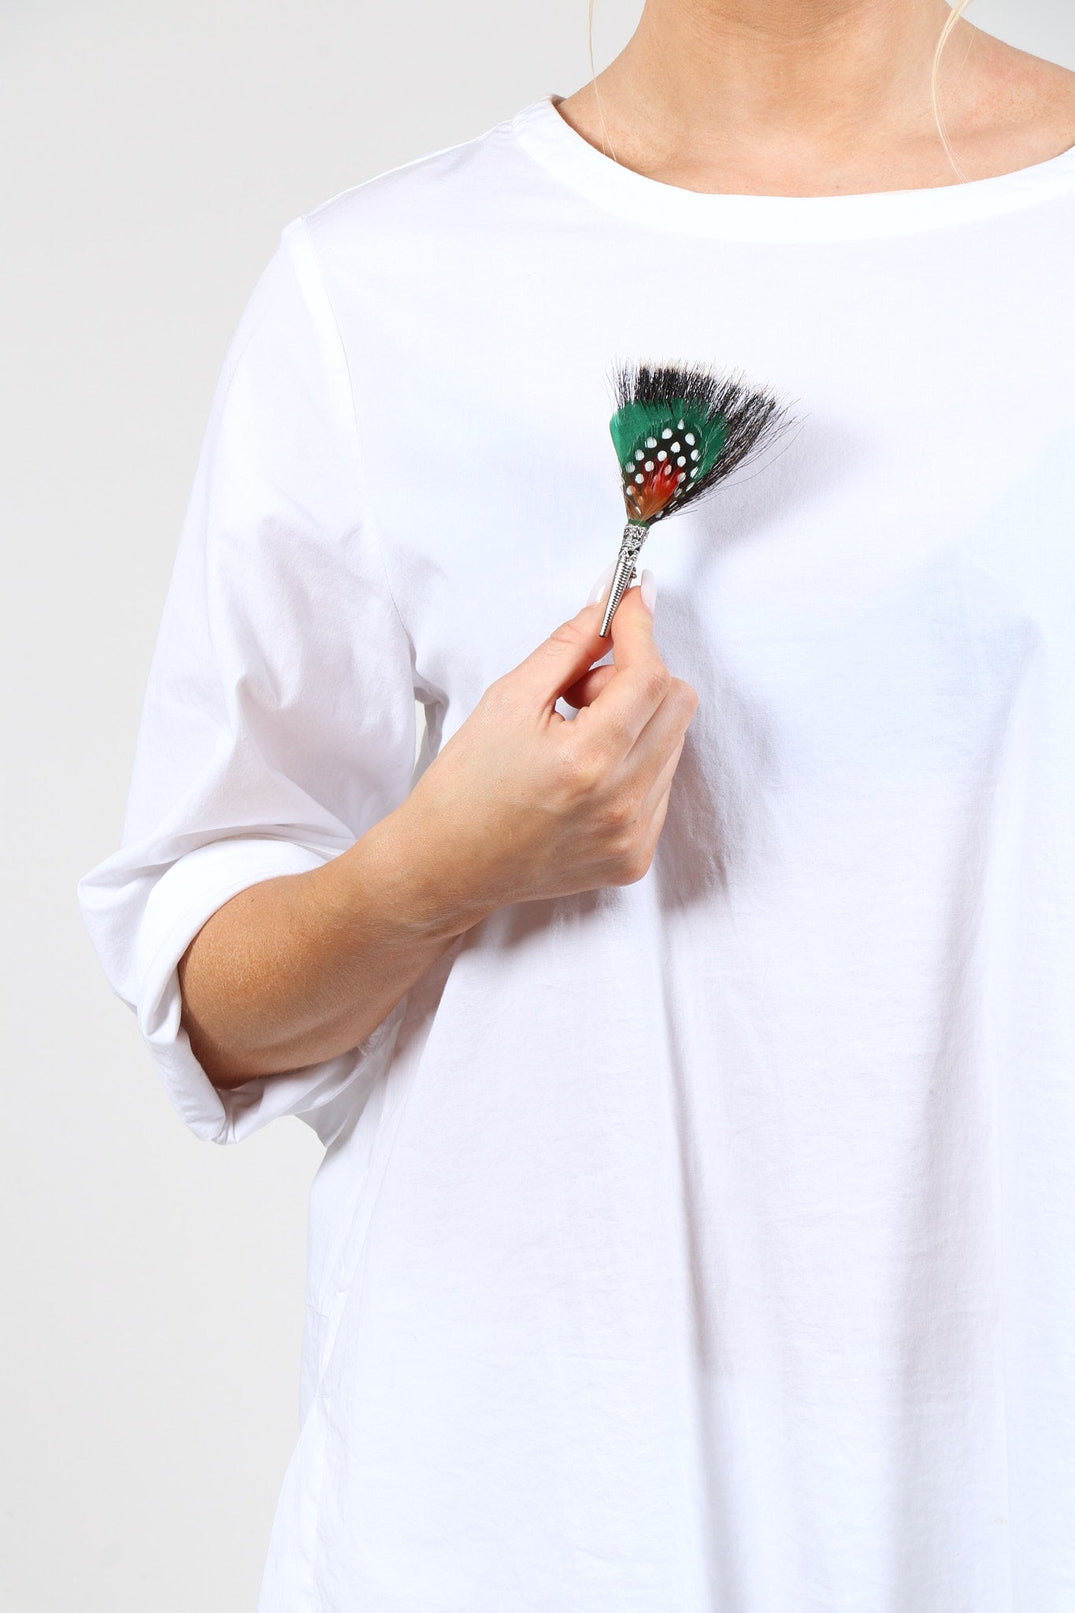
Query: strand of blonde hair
point(950, 21)
point(593, 80)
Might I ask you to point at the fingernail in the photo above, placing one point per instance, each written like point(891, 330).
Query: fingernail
point(648, 589)
point(601, 586)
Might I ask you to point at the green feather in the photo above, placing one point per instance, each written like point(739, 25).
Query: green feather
point(631, 425)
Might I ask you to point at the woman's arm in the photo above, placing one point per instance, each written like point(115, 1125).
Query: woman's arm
point(303, 967)
point(519, 804)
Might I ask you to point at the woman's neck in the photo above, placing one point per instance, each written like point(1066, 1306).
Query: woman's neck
point(819, 97)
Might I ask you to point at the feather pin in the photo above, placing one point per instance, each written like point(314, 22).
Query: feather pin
point(679, 430)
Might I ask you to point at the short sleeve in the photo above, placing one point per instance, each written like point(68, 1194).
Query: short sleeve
point(278, 722)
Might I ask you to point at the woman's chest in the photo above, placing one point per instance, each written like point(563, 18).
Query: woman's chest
point(877, 579)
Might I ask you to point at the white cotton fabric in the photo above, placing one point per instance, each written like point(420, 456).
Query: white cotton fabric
point(700, 1245)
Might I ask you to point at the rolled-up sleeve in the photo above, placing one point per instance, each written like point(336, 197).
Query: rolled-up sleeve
point(278, 722)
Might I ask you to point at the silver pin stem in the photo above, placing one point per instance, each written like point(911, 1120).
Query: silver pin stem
point(633, 538)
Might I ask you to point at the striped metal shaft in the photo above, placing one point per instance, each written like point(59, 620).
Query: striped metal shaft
point(633, 538)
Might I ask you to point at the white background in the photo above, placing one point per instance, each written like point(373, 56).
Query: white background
point(154, 1283)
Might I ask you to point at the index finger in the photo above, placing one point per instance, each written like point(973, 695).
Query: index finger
point(641, 681)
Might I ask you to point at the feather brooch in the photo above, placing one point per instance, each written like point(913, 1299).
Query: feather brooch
point(679, 430)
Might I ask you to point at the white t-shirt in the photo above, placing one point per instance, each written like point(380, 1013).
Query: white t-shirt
point(703, 1244)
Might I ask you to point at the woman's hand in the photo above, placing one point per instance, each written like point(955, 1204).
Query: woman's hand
point(523, 803)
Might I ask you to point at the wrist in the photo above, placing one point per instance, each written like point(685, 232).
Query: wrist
point(403, 865)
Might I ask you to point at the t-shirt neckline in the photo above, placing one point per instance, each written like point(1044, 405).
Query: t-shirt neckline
point(550, 139)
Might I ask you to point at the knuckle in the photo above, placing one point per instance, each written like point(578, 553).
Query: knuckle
point(569, 633)
point(634, 864)
point(580, 770)
point(625, 824)
point(618, 823)
point(656, 682)
point(498, 695)
point(687, 696)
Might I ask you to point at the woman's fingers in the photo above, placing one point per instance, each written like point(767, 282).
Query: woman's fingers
point(662, 737)
point(655, 802)
point(626, 702)
point(588, 687)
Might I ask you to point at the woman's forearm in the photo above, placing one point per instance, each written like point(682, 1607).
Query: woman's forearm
point(303, 967)
point(518, 804)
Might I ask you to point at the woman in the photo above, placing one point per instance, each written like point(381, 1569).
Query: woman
point(694, 1062)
